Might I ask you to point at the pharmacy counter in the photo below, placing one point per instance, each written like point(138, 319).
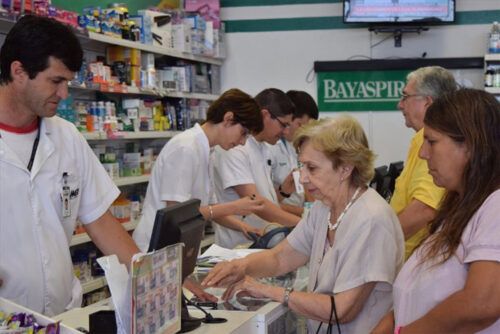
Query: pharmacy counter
point(244, 315)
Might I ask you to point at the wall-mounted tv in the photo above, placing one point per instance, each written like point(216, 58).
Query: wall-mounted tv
point(407, 12)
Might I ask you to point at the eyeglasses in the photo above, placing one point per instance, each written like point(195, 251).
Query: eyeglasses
point(405, 97)
point(282, 124)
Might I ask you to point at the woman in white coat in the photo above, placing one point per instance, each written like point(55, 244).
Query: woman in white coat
point(182, 169)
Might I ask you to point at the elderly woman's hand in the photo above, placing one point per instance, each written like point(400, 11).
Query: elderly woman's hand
point(225, 273)
point(248, 286)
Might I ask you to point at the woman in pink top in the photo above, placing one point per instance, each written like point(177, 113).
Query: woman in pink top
point(451, 284)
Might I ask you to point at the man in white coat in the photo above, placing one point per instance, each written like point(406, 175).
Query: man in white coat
point(246, 170)
point(49, 176)
point(283, 155)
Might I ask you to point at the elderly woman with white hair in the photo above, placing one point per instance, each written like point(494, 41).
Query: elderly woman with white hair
point(351, 238)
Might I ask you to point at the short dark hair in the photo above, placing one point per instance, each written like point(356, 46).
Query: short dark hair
point(244, 108)
point(275, 101)
point(32, 40)
point(304, 104)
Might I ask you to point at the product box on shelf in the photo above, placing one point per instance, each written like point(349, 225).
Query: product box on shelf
point(157, 27)
point(181, 37)
point(11, 307)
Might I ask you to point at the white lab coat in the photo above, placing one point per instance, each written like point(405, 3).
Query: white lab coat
point(283, 161)
point(248, 164)
point(181, 172)
point(35, 262)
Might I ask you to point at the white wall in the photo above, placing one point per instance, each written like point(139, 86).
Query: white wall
point(284, 59)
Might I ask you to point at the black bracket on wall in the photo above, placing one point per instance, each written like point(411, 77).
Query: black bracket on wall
point(397, 64)
point(397, 31)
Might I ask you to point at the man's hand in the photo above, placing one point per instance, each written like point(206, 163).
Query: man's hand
point(288, 184)
point(198, 291)
point(247, 205)
point(246, 228)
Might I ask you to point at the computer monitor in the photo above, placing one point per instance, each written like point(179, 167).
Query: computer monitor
point(395, 169)
point(377, 182)
point(181, 222)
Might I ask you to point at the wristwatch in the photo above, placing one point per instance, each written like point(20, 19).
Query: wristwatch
point(286, 297)
point(282, 193)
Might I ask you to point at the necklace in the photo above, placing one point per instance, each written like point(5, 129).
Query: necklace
point(333, 227)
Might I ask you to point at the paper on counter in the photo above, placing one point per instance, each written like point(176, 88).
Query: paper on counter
point(119, 285)
point(215, 254)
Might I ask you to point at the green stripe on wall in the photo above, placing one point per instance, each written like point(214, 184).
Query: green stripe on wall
point(335, 22)
point(250, 3)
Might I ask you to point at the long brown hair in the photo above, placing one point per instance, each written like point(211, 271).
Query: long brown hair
point(471, 117)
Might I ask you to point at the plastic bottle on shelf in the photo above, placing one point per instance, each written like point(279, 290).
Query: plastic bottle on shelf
point(494, 42)
point(95, 116)
point(488, 76)
point(496, 78)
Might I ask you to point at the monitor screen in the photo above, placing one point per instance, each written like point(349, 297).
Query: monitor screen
point(399, 11)
point(181, 222)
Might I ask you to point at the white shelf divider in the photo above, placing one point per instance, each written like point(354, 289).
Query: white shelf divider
point(492, 57)
point(493, 90)
point(128, 180)
point(153, 49)
point(94, 284)
point(130, 135)
point(82, 238)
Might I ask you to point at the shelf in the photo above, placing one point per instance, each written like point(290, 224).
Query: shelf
point(94, 284)
point(198, 96)
point(124, 90)
point(124, 181)
point(493, 90)
point(130, 135)
point(7, 22)
point(153, 49)
point(82, 238)
point(492, 57)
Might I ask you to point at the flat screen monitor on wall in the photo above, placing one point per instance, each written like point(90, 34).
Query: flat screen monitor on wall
point(406, 12)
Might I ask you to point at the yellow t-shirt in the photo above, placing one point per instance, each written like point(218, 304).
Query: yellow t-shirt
point(415, 182)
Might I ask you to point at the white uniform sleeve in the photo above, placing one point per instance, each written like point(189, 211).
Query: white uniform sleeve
point(179, 168)
point(234, 168)
point(97, 189)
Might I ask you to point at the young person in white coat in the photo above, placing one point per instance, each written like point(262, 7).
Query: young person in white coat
point(49, 176)
point(284, 158)
point(246, 170)
point(182, 170)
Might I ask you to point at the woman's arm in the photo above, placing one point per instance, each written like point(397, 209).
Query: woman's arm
point(386, 325)
point(273, 262)
point(474, 308)
point(243, 206)
point(312, 305)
